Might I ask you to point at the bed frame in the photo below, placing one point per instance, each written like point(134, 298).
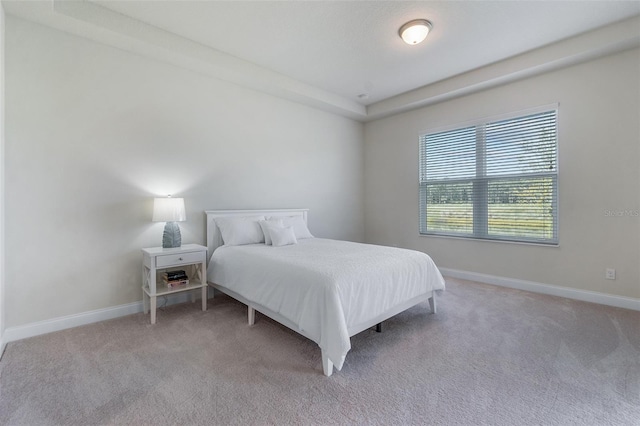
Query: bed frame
point(214, 240)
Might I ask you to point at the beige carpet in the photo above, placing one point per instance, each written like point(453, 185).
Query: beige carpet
point(491, 356)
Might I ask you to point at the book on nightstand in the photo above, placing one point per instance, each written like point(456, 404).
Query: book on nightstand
point(176, 284)
point(175, 279)
point(174, 275)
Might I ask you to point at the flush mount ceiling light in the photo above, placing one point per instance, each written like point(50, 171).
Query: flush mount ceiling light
point(413, 32)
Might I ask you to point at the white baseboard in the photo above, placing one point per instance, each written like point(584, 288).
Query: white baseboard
point(570, 293)
point(3, 345)
point(12, 334)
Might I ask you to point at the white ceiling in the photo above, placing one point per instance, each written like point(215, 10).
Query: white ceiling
point(352, 47)
point(349, 48)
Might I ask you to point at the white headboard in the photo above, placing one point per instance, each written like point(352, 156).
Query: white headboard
point(214, 239)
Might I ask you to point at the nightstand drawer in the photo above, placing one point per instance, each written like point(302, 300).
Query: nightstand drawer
point(179, 259)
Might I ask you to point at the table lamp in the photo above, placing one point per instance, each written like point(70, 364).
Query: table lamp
point(170, 210)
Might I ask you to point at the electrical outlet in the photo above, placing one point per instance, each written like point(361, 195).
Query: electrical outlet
point(610, 274)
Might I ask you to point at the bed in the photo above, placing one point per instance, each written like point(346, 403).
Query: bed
point(326, 290)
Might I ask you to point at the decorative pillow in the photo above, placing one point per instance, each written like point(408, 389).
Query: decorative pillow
point(282, 236)
point(264, 224)
point(299, 226)
point(237, 231)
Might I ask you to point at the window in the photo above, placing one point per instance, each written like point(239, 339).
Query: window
point(495, 180)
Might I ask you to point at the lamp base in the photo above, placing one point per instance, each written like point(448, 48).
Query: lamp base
point(171, 237)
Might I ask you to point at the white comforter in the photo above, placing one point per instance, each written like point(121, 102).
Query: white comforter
point(325, 286)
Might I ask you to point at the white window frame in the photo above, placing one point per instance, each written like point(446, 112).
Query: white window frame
point(481, 203)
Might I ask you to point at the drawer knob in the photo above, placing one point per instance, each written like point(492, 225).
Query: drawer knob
point(179, 258)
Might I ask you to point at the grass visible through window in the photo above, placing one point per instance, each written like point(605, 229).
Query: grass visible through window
point(508, 220)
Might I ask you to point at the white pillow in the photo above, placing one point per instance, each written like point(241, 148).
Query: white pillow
point(237, 231)
point(264, 224)
point(299, 226)
point(282, 236)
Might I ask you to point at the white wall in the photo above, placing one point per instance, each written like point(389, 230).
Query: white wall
point(93, 133)
point(599, 171)
point(2, 199)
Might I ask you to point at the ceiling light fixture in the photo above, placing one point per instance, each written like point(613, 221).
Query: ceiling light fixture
point(413, 32)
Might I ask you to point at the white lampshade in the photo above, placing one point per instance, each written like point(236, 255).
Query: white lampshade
point(169, 210)
point(413, 32)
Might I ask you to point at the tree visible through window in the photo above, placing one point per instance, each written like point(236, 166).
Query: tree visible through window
point(495, 180)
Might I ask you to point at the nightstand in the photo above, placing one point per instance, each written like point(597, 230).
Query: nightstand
point(191, 257)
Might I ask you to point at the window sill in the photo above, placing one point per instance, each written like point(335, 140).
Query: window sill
point(488, 240)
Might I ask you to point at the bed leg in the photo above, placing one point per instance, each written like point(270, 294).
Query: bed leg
point(327, 365)
point(379, 327)
point(432, 303)
point(251, 314)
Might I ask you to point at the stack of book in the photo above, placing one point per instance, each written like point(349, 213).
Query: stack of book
point(175, 279)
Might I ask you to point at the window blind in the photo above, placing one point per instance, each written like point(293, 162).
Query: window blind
point(494, 180)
